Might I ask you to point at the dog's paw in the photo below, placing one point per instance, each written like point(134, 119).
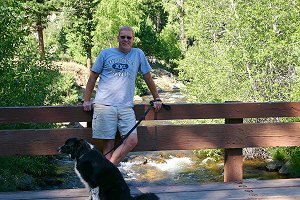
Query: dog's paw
point(94, 193)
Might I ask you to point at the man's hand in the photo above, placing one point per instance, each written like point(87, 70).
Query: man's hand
point(157, 104)
point(87, 105)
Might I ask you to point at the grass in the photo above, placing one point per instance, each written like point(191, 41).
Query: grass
point(24, 172)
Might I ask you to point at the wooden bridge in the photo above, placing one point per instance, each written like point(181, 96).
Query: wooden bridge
point(232, 135)
point(283, 189)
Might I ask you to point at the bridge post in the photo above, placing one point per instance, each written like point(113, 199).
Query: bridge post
point(233, 159)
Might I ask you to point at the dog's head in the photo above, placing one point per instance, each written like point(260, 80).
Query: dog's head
point(75, 147)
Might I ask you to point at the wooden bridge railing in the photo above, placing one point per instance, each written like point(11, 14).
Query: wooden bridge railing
point(233, 135)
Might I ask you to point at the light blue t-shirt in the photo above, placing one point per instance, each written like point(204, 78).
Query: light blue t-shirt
point(118, 73)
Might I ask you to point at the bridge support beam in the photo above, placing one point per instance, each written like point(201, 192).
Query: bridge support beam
point(233, 165)
point(233, 159)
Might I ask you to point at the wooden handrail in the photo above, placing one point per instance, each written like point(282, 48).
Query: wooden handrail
point(178, 111)
point(233, 135)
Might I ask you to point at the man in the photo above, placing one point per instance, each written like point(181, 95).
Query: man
point(113, 104)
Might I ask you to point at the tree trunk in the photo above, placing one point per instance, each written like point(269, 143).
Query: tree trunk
point(89, 50)
point(182, 35)
point(89, 62)
point(89, 41)
point(41, 39)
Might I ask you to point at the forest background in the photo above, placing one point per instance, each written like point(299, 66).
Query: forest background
point(225, 50)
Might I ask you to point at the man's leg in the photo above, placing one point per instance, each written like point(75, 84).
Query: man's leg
point(128, 144)
point(104, 145)
point(107, 146)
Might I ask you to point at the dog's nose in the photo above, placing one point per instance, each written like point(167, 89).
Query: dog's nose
point(58, 149)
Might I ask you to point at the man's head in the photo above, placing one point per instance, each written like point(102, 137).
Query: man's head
point(125, 38)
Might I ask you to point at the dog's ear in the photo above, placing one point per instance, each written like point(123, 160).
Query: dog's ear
point(78, 148)
point(72, 145)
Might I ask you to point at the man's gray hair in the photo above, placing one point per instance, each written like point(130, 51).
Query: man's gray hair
point(126, 28)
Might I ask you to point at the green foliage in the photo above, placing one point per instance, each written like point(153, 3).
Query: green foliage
point(294, 157)
point(295, 94)
point(278, 154)
point(24, 169)
point(81, 24)
point(141, 87)
point(28, 81)
point(251, 45)
point(62, 40)
point(37, 12)
point(111, 15)
point(11, 31)
point(147, 38)
point(291, 154)
point(206, 80)
point(55, 35)
point(169, 47)
point(154, 10)
point(75, 48)
point(217, 154)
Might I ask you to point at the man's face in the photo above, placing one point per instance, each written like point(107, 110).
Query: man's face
point(125, 40)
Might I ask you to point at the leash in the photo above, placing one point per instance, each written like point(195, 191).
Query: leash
point(167, 107)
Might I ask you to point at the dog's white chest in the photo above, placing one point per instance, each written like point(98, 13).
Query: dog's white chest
point(93, 191)
point(79, 175)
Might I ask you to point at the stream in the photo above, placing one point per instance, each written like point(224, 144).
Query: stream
point(161, 168)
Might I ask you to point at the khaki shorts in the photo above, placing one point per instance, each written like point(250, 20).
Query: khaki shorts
point(108, 119)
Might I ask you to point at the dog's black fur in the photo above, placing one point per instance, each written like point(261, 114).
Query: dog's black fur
point(97, 171)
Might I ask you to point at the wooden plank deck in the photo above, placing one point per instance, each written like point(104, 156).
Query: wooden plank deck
point(283, 189)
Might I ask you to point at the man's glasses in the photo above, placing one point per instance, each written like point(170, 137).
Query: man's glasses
point(123, 37)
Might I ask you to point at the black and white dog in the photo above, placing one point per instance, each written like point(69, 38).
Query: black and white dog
point(102, 177)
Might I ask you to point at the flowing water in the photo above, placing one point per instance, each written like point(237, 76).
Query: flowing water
point(163, 168)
